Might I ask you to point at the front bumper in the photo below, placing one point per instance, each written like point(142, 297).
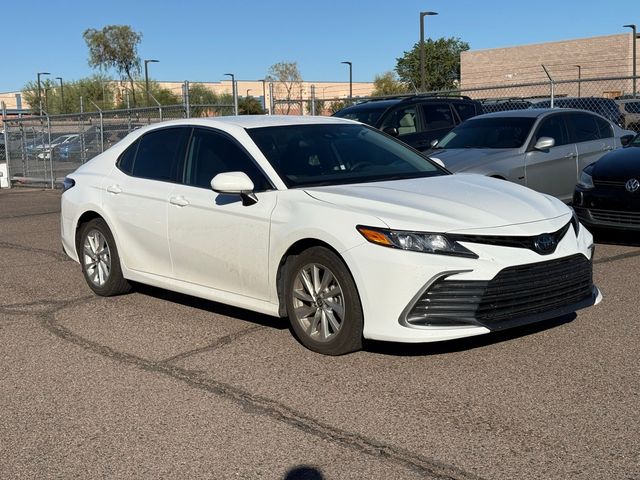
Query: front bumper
point(608, 207)
point(389, 282)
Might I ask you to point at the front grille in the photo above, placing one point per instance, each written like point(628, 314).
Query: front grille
point(515, 292)
point(609, 183)
point(613, 216)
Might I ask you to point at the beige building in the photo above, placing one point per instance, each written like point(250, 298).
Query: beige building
point(569, 62)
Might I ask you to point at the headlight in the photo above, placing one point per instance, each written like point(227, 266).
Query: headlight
point(586, 180)
point(415, 241)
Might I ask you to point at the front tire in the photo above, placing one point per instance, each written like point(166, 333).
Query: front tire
point(99, 258)
point(323, 303)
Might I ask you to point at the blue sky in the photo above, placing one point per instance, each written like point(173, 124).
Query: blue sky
point(200, 40)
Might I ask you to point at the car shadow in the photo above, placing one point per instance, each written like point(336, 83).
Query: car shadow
point(463, 344)
point(213, 307)
point(616, 237)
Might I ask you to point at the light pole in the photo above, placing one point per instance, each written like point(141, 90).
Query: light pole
point(40, 90)
point(146, 78)
point(422, 77)
point(248, 90)
point(61, 95)
point(234, 91)
point(264, 95)
point(579, 78)
point(350, 78)
point(633, 40)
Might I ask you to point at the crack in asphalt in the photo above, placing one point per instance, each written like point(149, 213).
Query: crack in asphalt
point(23, 215)
point(251, 403)
point(615, 258)
point(24, 248)
point(221, 342)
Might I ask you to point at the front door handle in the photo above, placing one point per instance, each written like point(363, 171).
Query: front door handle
point(570, 155)
point(115, 189)
point(607, 148)
point(180, 201)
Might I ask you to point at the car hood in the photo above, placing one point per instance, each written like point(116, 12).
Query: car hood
point(461, 159)
point(619, 165)
point(449, 203)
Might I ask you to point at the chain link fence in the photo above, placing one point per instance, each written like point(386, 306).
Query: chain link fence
point(41, 150)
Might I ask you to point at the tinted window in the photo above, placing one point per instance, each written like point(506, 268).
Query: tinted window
point(403, 119)
point(125, 162)
point(632, 107)
point(553, 127)
point(585, 127)
point(159, 154)
point(211, 153)
point(331, 154)
point(465, 110)
point(604, 128)
point(370, 116)
point(498, 132)
point(437, 116)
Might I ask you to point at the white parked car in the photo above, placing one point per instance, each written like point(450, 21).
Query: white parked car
point(338, 226)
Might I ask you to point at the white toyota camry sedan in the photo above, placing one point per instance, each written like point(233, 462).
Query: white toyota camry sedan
point(345, 230)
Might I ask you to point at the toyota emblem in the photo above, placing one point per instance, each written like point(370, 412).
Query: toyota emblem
point(632, 185)
point(545, 244)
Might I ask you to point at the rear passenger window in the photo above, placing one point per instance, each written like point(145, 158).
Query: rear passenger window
point(437, 116)
point(553, 127)
point(465, 110)
point(125, 162)
point(403, 119)
point(604, 128)
point(585, 127)
point(161, 153)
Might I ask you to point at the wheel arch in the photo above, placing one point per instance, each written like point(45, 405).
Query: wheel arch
point(85, 218)
point(297, 248)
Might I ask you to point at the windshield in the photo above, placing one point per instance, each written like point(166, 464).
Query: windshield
point(332, 154)
point(498, 132)
point(365, 115)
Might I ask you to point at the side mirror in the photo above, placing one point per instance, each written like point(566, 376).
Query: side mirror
point(434, 143)
point(626, 139)
point(544, 143)
point(235, 183)
point(393, 131)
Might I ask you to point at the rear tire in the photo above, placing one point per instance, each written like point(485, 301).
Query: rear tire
point(323, 304)
point(99, 259)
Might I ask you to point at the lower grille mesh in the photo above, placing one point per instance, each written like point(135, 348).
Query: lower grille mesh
point(514, 293)
point(612, 216)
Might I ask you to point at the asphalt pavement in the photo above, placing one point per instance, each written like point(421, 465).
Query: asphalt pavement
point(160, 385)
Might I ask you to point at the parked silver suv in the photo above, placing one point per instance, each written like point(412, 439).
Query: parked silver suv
point(543, 149)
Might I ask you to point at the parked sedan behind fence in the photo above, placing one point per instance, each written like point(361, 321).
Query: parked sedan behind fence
point(543, 149)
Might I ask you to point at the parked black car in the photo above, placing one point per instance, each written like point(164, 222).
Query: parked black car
point(504, 104)
point(416, 120)
point(606, 107)
point(608, 193)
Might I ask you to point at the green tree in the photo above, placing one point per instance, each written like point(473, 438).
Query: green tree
point(442, 64)
point(250, 106)
point(387, 84)
point(115, 46)
point(97, 88)
point(287, 82)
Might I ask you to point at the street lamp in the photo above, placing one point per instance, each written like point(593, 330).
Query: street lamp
point(350, 78)
point(422, 77)
point(633, 40)
point(234, 91)
point(40, 89)
point(579, 78)
point(61, 95)
point(146, 77)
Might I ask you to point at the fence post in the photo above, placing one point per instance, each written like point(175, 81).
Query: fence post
point(128, 114)
point(7, 155)
point(50, 152)
point(187, 108)
point(551, 85)
point(101, 125)
point(272, 100)
point(313, 100)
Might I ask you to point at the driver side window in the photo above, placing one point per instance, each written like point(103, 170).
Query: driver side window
point(553, 127)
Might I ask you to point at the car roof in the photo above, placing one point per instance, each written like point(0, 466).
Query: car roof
point(527, 113)
point(252, 121)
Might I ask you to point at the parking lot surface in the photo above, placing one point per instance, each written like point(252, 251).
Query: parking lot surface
point(160, 385)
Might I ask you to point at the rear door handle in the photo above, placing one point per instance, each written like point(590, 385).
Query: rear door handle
point(115, 189)
point(180, 201)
